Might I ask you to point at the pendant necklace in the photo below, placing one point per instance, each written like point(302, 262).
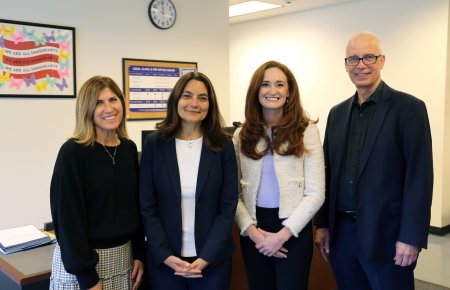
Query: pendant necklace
point(112, 156)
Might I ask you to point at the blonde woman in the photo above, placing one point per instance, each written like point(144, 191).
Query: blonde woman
point(94, 197)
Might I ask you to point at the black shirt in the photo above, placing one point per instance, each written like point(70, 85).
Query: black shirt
point(361, 116)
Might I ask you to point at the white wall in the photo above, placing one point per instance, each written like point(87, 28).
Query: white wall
point(414, 37)
point(32, 130)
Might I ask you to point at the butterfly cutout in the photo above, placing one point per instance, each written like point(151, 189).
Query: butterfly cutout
point(63, 56)
point(50, 38)
point(63, 73)
point(17, 83)
point(62, 38)
point(5, 77)
point(1, 53)
point(62, 85)
point(65, 46)
point(38, 40)
point(28, 34)
point(40, 87)
point(50, 81)
point(63, 64)
point(29, 81)
point(17, 37)
point(2, 41)
point(1, 63)
point(6, 31)
point(2, 85)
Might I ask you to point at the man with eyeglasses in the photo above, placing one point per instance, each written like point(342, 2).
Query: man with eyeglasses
point(379, 177)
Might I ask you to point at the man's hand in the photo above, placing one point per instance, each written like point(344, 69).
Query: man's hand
point(405, 254)
point(322, 241)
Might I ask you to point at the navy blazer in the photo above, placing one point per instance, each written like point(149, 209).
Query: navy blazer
point(394, 182)
point(160, 201)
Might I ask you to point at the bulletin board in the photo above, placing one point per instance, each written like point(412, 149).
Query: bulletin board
point(147, 85)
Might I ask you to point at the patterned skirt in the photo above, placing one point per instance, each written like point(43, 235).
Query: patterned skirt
point(114, 269)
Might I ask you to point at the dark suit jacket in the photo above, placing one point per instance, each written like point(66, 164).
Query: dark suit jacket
point(160, 201)
point(395, 174)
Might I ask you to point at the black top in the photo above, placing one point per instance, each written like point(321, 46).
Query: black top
point(361, 115)
point(94, 204)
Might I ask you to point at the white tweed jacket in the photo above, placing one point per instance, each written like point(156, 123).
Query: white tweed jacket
point(301, 182)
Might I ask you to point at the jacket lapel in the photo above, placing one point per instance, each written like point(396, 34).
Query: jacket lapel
point(203, 170)
point(341, 138)
point(170, 155)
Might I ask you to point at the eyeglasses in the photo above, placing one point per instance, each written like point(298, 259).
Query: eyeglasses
point(367, 59)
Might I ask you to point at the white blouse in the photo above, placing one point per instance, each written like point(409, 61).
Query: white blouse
point(188, 156)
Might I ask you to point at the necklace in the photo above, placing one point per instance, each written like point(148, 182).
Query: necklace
point(112, 156)
point(190, 143)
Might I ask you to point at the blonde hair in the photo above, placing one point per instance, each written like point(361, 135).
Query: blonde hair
point(84, 132)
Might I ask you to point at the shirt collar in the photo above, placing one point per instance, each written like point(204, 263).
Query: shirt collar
point(374, 97)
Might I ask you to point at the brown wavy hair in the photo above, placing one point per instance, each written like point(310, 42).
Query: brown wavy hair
point(214, 135)
point(84, 132)
point(289, 129)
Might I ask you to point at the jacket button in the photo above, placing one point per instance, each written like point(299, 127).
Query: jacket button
point(299, 185)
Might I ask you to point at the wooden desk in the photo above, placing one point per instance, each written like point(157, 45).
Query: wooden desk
point(28, 270)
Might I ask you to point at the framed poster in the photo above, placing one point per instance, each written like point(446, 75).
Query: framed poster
point(147, 85)
point(36, 60)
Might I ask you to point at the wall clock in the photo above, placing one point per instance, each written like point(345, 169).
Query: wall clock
point(162, 13)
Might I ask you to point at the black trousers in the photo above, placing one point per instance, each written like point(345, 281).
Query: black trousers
point(353, 271)
point(270, 273)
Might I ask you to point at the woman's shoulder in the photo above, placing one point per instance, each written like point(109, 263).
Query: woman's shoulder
point(311, 129)
point(128, 142)
point(71, 146)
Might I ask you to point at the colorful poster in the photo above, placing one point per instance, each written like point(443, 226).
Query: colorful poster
point(36, 60)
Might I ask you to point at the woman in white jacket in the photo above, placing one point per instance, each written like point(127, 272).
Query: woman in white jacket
point(282, 181)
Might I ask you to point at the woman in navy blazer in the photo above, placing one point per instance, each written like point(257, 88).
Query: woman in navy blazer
point(188, 191)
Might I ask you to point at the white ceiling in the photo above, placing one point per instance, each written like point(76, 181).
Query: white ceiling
point(288, 6)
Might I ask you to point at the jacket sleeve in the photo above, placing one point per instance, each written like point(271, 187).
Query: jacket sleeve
point(314, 183)
point(243, 218)
point(220, 232)
point(418, 184)
point(148, 202)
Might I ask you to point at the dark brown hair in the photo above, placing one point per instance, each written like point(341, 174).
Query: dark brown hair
point(214, 135)
point(289, 129)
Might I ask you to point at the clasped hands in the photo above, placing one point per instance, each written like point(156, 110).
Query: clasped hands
point(268, 243)
point(185, 269)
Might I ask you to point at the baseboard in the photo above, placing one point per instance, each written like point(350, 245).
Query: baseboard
point(440, 231)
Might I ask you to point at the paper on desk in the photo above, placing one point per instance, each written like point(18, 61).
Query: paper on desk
point(21, 239)
point(20, 235)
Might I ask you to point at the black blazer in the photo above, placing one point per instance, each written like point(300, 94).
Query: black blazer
point(160, 201)
point(395, 174)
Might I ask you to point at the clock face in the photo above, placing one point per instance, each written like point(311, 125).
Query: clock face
point(162, 13)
